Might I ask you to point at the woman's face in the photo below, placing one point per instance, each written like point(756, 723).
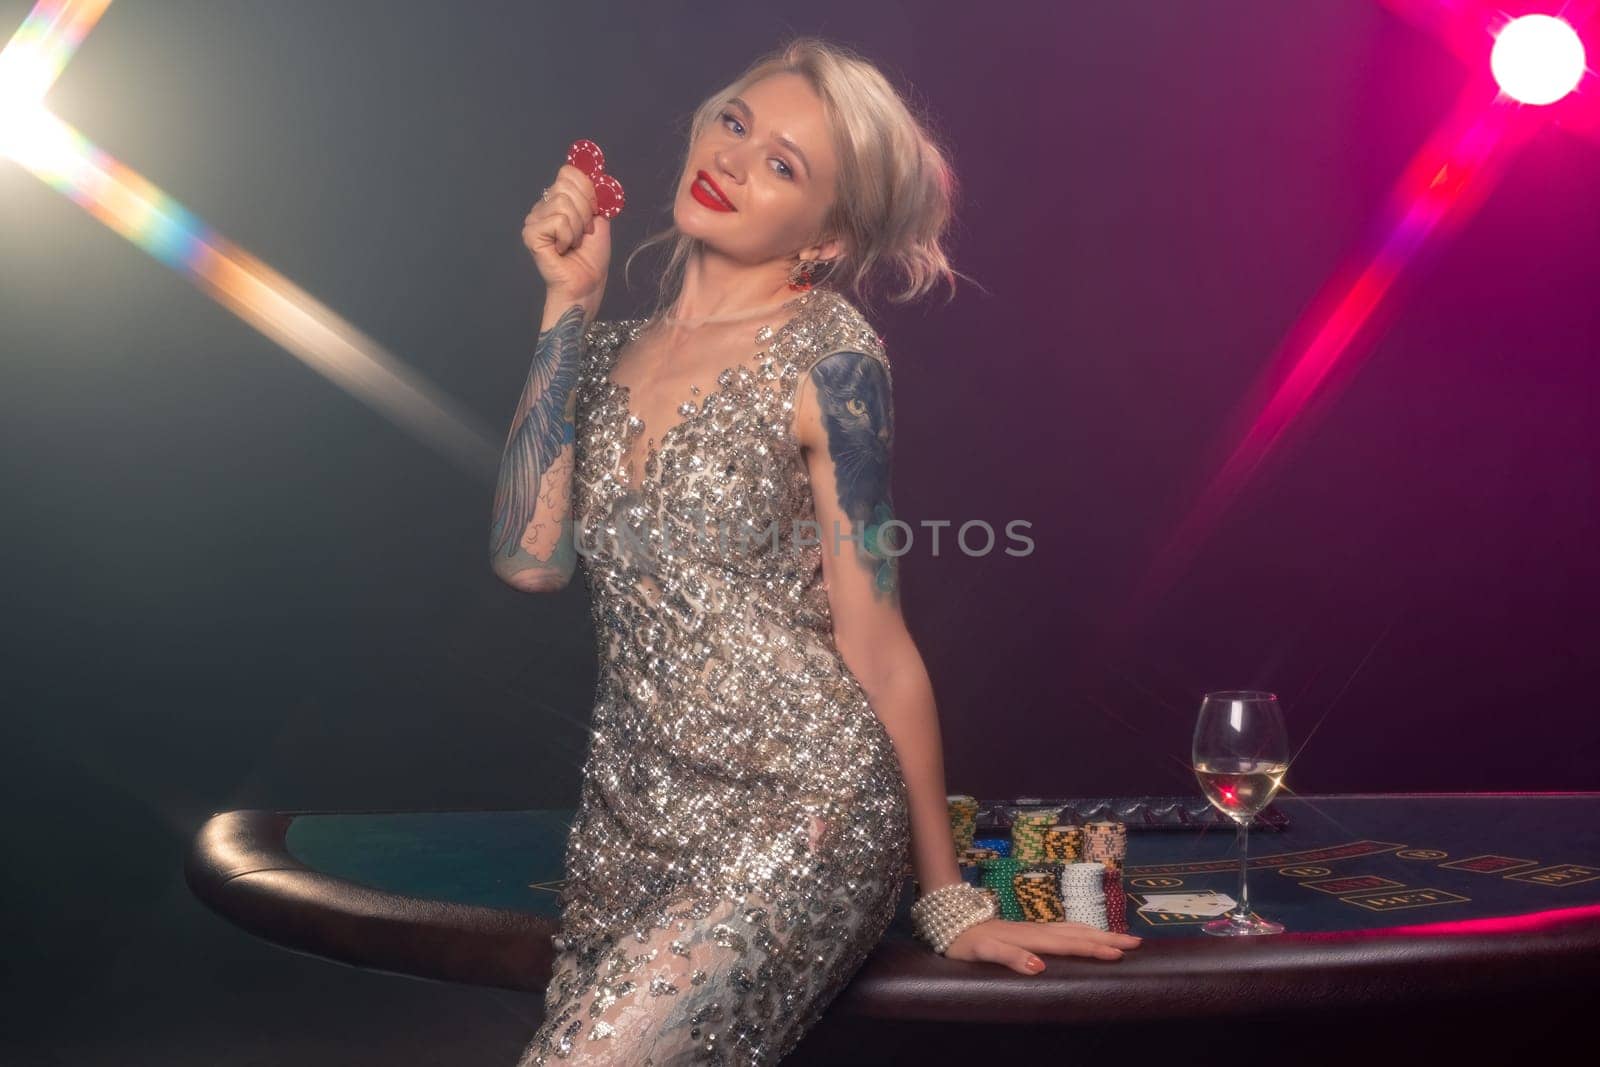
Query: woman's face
point(771, 154)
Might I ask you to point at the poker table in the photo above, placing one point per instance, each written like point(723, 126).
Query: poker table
point(1409, 918)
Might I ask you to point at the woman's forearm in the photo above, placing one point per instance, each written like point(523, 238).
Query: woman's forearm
point(530, 541)
point(904, 703)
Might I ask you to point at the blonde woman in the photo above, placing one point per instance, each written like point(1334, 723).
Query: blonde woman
point(765, 754)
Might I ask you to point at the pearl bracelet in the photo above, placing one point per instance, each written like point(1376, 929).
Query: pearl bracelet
point(942, 915)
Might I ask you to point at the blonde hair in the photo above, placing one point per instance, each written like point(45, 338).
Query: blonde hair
point(895, 189)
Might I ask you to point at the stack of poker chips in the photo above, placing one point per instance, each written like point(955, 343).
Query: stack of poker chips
point(971, 863)
point(1116, 902)
point(1083, 894)
point(1027, 833)
point(1106, 843)
point(999, 877)
point(999, 844)
point(1063, 844)
point(1038, 893)
point(963, 818)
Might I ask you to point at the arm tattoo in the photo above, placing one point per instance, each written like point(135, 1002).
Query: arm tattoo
point(858, 415)
point(541, 433)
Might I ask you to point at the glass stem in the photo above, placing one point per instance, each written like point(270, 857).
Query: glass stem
point(1242, 913)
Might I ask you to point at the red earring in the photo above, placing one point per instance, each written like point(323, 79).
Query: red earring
point(587, 157)
point(800, 277)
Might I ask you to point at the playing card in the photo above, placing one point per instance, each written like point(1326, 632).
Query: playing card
point(1208, 903)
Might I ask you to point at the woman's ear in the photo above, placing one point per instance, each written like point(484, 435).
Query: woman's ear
point(825, 250)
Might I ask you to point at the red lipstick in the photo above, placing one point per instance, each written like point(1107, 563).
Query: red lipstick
point(715, 198)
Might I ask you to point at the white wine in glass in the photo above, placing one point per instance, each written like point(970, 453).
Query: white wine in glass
point(1241, 753)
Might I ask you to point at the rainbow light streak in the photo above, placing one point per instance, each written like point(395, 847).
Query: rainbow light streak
point(135, 208)
point(1440, 189)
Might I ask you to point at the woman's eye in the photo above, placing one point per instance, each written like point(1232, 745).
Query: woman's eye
point(728, 117)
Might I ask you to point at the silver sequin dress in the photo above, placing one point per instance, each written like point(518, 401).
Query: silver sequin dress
point(742, 833)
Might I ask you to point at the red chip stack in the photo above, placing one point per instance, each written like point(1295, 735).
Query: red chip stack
point(1116, 902)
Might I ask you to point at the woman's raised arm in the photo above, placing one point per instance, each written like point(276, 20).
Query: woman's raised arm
point(530, 537)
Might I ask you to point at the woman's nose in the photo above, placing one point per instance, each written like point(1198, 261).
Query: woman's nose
point(728, 165)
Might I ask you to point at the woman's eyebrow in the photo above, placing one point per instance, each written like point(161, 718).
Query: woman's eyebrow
point(750, 116)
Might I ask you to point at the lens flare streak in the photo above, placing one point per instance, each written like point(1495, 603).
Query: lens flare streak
point(132, 206)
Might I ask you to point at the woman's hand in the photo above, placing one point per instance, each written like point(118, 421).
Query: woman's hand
point(1014, 943)
point(569, 239)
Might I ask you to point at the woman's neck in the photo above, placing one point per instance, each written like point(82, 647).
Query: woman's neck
point(715, 289)
point(670, 319)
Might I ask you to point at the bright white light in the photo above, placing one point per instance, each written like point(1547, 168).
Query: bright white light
point(1537, 59)
point(24, 79)
point(26, 135)
point(39, 141)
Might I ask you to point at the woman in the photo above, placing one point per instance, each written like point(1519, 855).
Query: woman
point(765, 749)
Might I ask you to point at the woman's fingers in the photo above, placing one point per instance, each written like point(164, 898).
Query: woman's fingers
point(1091, 933)
point(564, 205)
point(564, 202)
point(562, 226)
point(581, 187)
point(1083, 930)
point(572, 192)
point(1018, 945)
point(1102, 944)
point(1070, 939)
point(1072, 945)
point(1009, 954)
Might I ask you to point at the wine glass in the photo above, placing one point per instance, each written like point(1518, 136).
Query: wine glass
point(1241, 752)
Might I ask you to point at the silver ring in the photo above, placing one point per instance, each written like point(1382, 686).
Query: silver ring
point(546, 194)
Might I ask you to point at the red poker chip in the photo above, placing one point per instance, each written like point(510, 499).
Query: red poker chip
point(587, 157)
point(608, 196)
